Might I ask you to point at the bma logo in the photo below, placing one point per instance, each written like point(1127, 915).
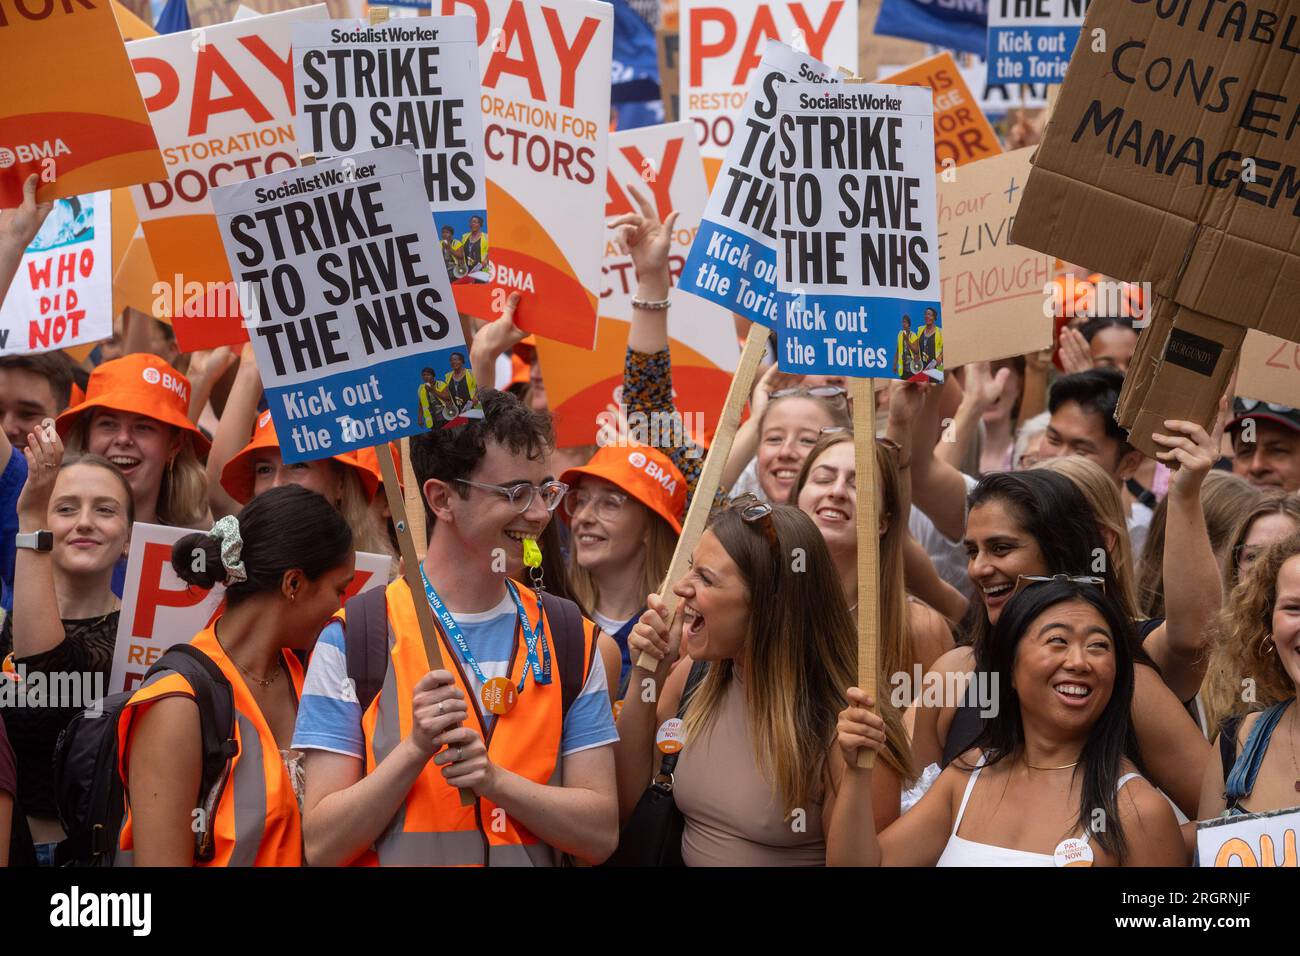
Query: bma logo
point(152, 376)
point(32, 152)
point(168, 381)
point(636, 460)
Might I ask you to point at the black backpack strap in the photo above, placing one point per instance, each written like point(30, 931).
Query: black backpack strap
point(568, 639)
point(699, 670)
point(1228, 743)
point(365, 639)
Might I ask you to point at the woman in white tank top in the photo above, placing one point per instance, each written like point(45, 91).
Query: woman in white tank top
point(1051, 781)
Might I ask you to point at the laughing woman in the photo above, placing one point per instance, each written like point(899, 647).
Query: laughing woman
point(75, 516)
point(758, 779)
point(1054, 778)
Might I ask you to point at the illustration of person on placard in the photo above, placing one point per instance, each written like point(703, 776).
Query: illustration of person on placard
point(452, 257)
point(904, 364)
point(927, 344)
point(473, 250)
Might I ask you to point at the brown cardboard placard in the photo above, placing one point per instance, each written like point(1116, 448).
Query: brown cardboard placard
point(992, 289)
point(1269, 369)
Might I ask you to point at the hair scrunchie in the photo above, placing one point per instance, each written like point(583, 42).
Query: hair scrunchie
point(227, 532)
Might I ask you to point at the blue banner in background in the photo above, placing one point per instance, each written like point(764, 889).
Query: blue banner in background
point(956, 24)
point(634, 78)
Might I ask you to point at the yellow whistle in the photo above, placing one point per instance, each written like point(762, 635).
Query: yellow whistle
point(532, 554)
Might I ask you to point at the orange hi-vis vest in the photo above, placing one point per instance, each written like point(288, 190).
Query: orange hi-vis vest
point(431, 828)
point(257, 821)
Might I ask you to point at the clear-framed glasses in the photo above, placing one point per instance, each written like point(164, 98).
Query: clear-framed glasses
point(606, 504)
point(826, 392)
point(521, 495)
point(1023, 581)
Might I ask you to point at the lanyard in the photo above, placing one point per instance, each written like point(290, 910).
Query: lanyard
point(541, 670)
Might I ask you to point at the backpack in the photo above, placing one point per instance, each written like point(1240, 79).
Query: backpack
point(365, 635)
point(88, 789)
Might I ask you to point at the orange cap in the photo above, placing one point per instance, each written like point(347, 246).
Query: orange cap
point(368, 459)
point(520, 371)
point(646, 474)
point(237, 476)
point(142, 384)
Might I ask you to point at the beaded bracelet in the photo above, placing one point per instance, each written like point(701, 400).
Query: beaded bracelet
point(659, 306)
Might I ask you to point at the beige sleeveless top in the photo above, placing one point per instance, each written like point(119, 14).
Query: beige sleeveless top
point(733, 814)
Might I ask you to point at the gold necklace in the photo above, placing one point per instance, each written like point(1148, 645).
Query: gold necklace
point(275, 675)
point(1062, 767)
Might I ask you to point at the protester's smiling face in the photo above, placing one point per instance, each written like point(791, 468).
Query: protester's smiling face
point(1264, 531)
point(1272, 460)
point(1286, 618)
point(1064, 672)
point(830, 495)
point(790, 429)
point(1073, 430)
point(316, 601)
point(606, 535)
point(139, 445)
point(1113, 347)
point(715, 604)
point(485, 521)
point(88, 518)
point(998, 551)
point(322, 476)
point(26, 400)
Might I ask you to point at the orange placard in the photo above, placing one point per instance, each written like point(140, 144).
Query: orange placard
point(962, 133)
point(71, 109)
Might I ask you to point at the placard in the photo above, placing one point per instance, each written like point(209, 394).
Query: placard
point(1256, 839)
point(857, 241)
point(962, 133)
point(57, 299)
point(361, 86)
point(351, 316)
point(1031, 41)
point(733, 259)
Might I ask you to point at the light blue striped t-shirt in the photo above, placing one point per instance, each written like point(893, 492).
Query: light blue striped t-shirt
point(329, 717)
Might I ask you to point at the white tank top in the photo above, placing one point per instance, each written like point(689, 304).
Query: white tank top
point(962, 852)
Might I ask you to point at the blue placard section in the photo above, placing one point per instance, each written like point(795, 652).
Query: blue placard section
point(734, 271)
point(956, 24)
point(1023, 54)
point(857, 336)
point(362, 407)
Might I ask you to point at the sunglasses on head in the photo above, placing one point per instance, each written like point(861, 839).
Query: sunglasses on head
point(753, 511)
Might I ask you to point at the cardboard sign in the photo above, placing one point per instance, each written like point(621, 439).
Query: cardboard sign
point(669, 48)
point(962, 133)
point(1200, 166)
point(1257, 839)
point(733, 259)
point(221, 103)
point(415, 84)
point(857, 236)
point(71, 111)
point(721, 46)
point(546, 112)
point(160, 610)
point(992, 289)
point(663, 163)
point(1032, 42)
point(57, 299)
point(352, 322)
point(1269, 369)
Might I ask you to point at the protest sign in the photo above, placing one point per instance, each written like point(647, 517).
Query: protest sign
point(546, 112)
point(1030, 41)
point(669, 47)
point(1182, 130)
point(733, 259)
point(361, 86)
point(721, 46)
point(1269, 369)
point(159, 609)
point(962, 133)
point(858, 248)
point(207, 13)
point(956, 24)
point(64, 281)
point(220, 100)
point(79, 136)
point(351, 316)
point(1253, 840)
point(992, 289)
point(663, 164)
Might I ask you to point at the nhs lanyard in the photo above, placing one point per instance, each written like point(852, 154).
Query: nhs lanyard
point(541, 670)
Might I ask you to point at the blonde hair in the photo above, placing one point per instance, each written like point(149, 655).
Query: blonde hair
point(800, 657)
point(1103, 498)
point(355, 509)
point(183, 490)
point(657, 551)
point(1242, 648)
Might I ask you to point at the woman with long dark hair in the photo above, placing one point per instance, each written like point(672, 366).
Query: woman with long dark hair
point(1054, 777)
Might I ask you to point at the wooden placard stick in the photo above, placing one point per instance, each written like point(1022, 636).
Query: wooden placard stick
point(711, 476)
point(414, 502)
point(378, 15)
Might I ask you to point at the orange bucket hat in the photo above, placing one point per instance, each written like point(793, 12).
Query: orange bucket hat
point(368, 460)
point(646, 474)
point(141, 384)
point(237, 476)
